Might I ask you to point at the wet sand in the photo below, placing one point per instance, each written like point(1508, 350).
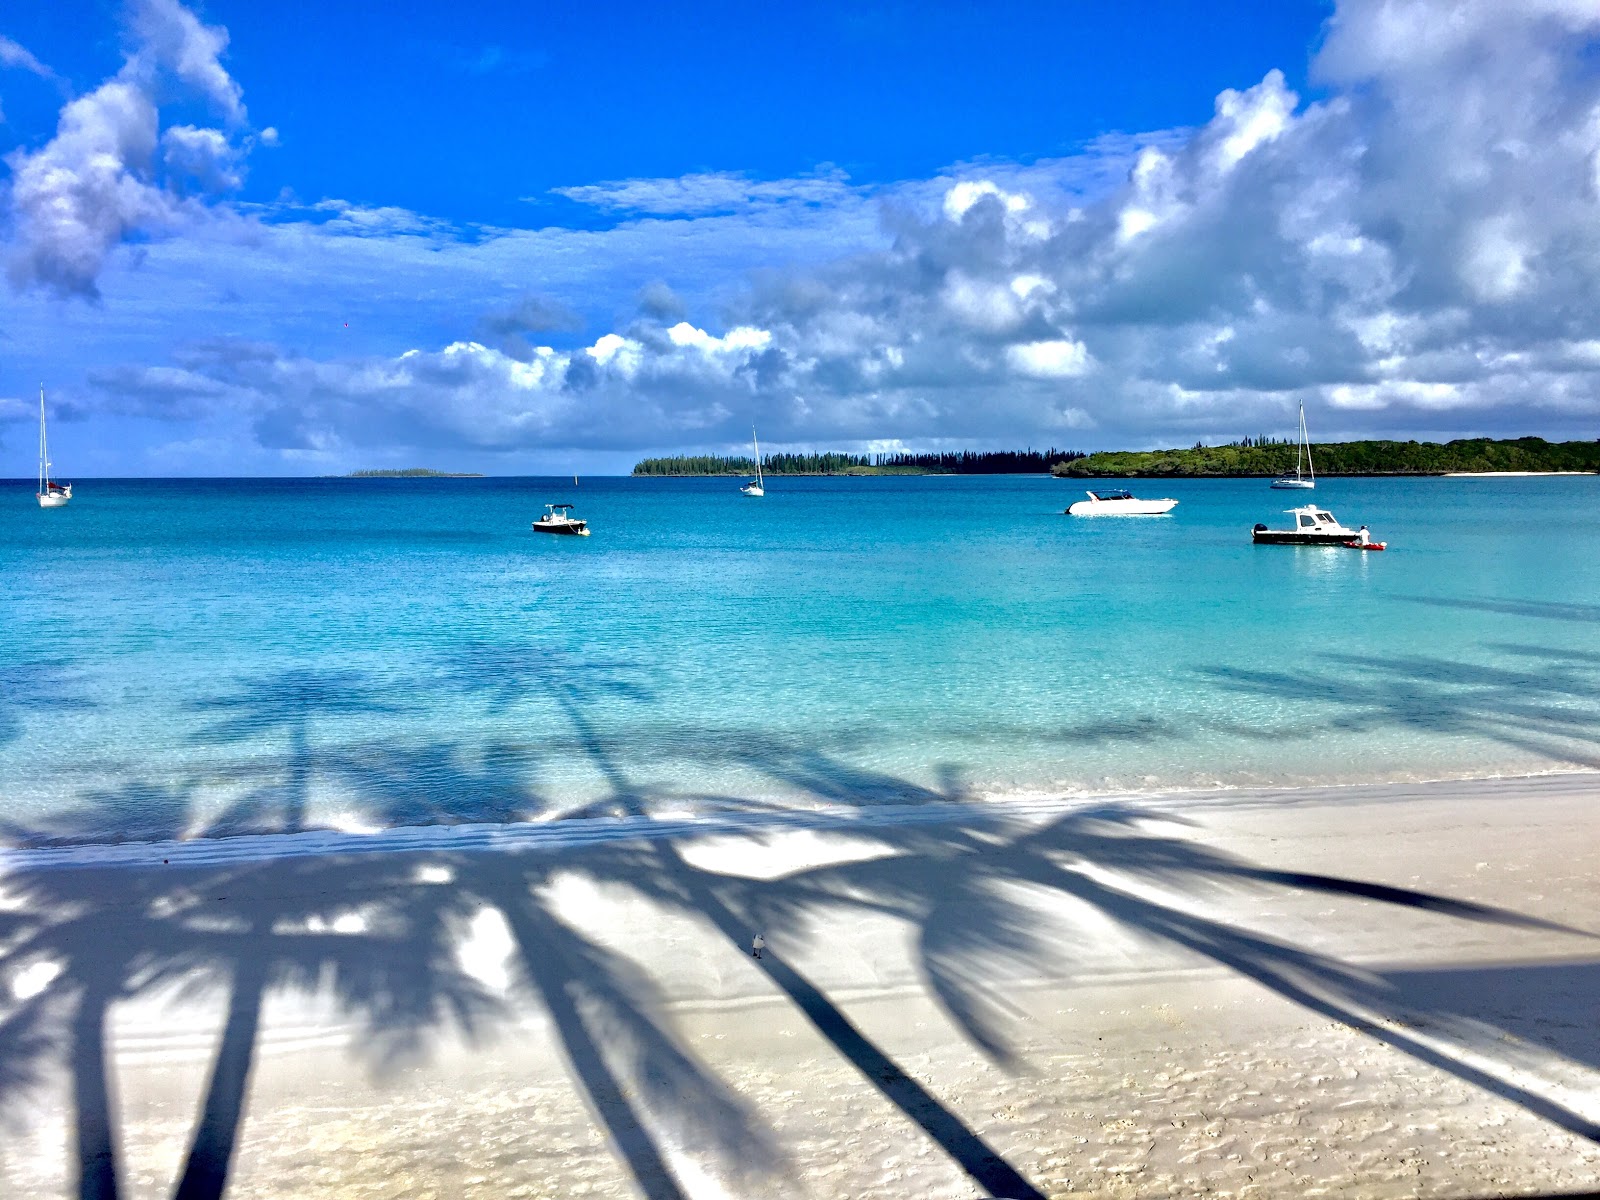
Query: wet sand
point(1384, 991)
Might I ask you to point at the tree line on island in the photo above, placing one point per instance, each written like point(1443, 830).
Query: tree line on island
point(1247, 457)
point(961, 462)
point(1265, 457)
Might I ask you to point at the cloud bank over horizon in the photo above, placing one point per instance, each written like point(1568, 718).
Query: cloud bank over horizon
point(1416, 251)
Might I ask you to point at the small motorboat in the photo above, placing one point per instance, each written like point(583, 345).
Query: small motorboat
point(558, 518)
point(1313, 526)
point(1119, 504)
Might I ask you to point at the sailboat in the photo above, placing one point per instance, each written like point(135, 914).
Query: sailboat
point(1302, 456)
point(51, 495)
point(754, 487)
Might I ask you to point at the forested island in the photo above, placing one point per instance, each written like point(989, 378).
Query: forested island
point(414, 473)
point(1260, 456)
point(961, 462)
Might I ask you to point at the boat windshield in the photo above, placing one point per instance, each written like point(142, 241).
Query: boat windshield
point(1116, 495)
point(1326, 516)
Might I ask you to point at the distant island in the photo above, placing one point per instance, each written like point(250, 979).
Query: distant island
point(1264, 457)
point(962, 462)
point(414, 473)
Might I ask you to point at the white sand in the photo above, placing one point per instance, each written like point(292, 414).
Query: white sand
point(1166, 1016)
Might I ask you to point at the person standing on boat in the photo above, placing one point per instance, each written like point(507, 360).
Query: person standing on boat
point(757, 945)
point(1363, 536)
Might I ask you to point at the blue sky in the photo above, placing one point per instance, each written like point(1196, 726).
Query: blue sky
point(300, 238)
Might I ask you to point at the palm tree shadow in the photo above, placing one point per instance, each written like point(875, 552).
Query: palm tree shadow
point(109, 935)
point(542, 677)
point(976, 940)
point(1551, 711)
point(38, 685)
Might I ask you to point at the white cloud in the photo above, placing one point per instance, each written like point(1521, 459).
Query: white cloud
point(709, 192)
point(1418, 250)
point(13, 54)
point(97, 181)
point(1057, 359)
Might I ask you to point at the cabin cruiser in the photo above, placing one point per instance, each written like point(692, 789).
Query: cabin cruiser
point(558, 518)
point(1119, 504)
point(1313, 526)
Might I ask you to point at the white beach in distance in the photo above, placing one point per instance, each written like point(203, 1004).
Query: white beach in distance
point(1333, 991)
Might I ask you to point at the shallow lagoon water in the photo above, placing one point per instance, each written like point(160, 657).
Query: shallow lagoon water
point(179, 657)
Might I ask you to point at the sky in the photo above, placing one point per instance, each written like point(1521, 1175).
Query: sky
point(301, 239)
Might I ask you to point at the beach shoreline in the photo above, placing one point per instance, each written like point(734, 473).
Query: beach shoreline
point(1376, 991)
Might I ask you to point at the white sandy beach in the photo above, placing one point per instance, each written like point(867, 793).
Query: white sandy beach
point(1386, 991)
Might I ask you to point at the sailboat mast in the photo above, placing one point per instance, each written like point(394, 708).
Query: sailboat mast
point(1305, 441)
point(44, 465)
point(757, 442)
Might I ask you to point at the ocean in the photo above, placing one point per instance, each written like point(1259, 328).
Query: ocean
point(185, 658)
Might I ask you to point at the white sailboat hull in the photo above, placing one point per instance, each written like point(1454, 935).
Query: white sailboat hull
point(1306, 484)
point(54, 499)
point(756, 487)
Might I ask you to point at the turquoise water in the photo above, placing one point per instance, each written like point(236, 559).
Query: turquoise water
point(185, 657)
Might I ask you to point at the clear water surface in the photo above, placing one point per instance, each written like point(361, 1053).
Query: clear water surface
point(183, 657)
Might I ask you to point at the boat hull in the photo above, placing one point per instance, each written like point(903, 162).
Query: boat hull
point(1121, 508)
point(1293, 484)
point(570, 528)
point(752, 490)
point(53, 499)
point(1293, 537)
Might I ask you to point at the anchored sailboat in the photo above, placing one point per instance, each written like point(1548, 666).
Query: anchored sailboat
point(1302, 456)
point(51, 495)
point(755, 486)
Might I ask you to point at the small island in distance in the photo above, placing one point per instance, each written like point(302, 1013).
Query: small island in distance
point(412, 473)
point(1247, 458)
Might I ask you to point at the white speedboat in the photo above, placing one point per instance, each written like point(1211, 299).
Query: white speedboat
point(558, 518)
point(756, 486)
point(51, 495)
point(1313, 526)
point(1119, 504)
point(1306, 478)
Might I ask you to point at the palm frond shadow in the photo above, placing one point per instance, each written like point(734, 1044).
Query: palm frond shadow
point(977, 940)
point(539, 677)
point(38, 685)
point(245, 931)
point(1552, 712)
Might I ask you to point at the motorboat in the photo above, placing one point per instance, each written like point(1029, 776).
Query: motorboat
point(1313, 526)
point(1119, 504)
point(50, 493)
point(757, 486)
point(1305, 475)
point(558, 518)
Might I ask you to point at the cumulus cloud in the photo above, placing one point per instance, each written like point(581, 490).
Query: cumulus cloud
point(1418, 250)
point(101, 180)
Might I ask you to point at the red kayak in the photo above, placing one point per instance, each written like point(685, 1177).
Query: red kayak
point(1368, 545)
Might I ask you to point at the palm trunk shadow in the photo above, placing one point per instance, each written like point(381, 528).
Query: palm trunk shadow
point(205, 1173)
point(971, 1153)
point(1293, 973)
point(607, 1097)
point(981, 1162)
point(94, 1103)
